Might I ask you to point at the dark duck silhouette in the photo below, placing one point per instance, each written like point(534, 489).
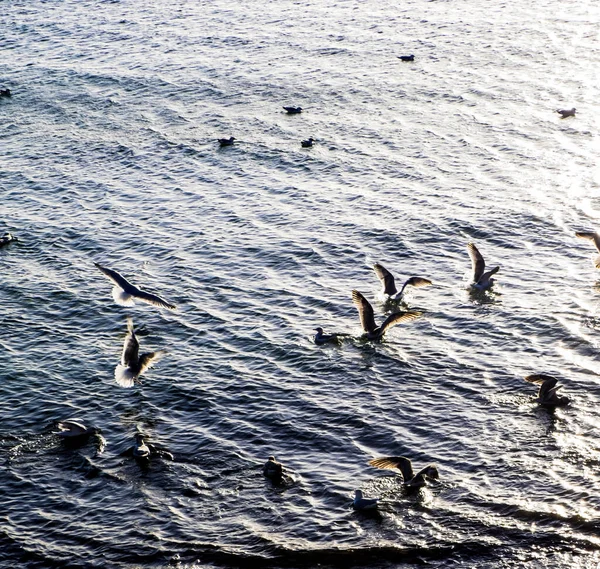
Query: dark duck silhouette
point(411, 481)
point(564, 113)
point(481, 280)
point(133, 365)
point(307, 143)
point(367, 318)
point(7, 238)
point(321, 338)
point(5, 93)
point(548, 392)
point(293, 110)
point(410, 57)
point(273, 470)
point(226, 141)
point(389, 284)
point(124, 292)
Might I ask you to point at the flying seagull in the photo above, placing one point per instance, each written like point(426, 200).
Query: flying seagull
point(591, 236)
point(389, 286)
point(548, 393)
point(411, 480)
point(367, 318)
point(133, 365)
point(481, 279)
point(124, 292)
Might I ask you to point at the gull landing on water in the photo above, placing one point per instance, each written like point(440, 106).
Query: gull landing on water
point(548, 393)
point(411, 481)
point(591, 236)
point(389, 285)
point(481, 279)
point(124, 292)
point(367, 318)
point(132, 364)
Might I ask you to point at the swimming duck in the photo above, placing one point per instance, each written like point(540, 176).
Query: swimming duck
point(564, 113)
point(132, 365)
point(548, 392)
point(73, 428)
point(293, 110)
point(7, 238)
point(273, 469)
point(367, 318)
point(481, 279)
point(591, 236)
point(307, 143)
point(5, 93)
point(226, 141)
point(361, 503)
point(320, 338)
point(411, 481)
point(406, 57)
point(143, 450)
point(389, 285)
point(124, 292)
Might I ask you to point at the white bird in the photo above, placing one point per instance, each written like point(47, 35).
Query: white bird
point(411, 481)
point(132, 364)
point(124, 292)
point(389, 285)
point(361, 503)
point(481, 280)
point(273, 469)
point(595, 238)
point(72, 428)
point(548, 393)
point(367, 318)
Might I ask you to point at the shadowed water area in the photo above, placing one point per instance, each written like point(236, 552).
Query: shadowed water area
point(109, 154)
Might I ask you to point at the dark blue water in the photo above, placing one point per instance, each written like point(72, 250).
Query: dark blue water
point(108, 154)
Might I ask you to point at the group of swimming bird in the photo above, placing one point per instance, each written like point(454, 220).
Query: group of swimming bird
point(132, 365)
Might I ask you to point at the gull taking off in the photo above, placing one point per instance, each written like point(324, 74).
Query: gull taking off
point(367, 318)
point(591, 236)
point(124, 292)
point(411, 480)
point(389, 285)
point(548, 393)
point(132, 364)
point(481, 280)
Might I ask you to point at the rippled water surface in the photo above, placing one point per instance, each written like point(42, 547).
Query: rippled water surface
point(109, 155)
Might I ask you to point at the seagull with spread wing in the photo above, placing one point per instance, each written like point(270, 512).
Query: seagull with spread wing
point(548, 393)
point(124, 292)
point(367, 318)
point(411, 481)
point(389, 284)
point(595, 238)
point(482, 280)
point(133, 365)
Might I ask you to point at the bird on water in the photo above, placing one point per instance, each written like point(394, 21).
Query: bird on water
point(410, 57)
point(321, 338)
point(564, 113)
point(361, 503)
point(595, 238)
point(548, 392)
point(124, 292)
point(293, 110)
point(7, 238)
point(307, 143)
point(5, 93)
point(73, 428)
point(133, 365)
point(273, 469)
point(389, 285)
point(367, 318)
point(226, 141)
point(481, 280)
point(411, 481)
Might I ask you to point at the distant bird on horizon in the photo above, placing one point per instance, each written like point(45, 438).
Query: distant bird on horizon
point(133, 365)
point(595, 238)
point(5, 93)
point(367, 318)
point(564, 113)
point(293, 110)
point(7, 238)
point(481, 279)
point(411, 481)
point(410, 57)
point(548, 391)
point(307, 143)
point(361, 503)
point(389, 285)
point(124, 292)
point(226, 141)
